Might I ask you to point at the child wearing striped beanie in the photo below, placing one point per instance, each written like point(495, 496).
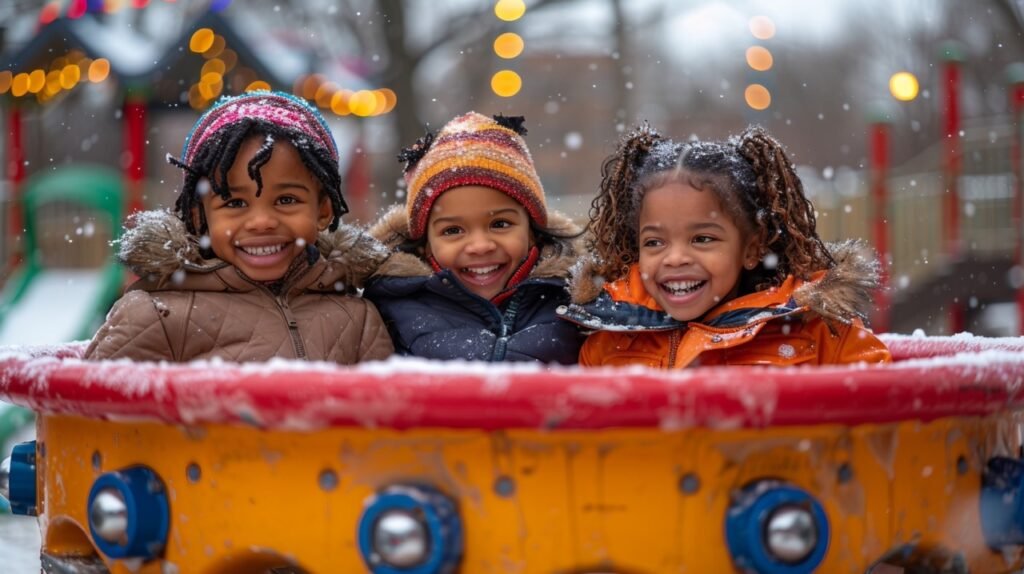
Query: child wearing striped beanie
point(253, 263)
point(478, 263)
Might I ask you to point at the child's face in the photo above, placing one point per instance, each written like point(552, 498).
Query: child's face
point(481, 234)
point(263, 235)
point(691, 252)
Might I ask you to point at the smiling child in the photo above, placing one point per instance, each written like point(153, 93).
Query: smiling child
point(479, 264)
point(253, 264)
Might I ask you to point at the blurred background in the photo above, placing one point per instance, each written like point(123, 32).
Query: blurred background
point(903, 118)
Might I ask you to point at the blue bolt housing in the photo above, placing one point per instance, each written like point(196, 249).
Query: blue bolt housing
point(148, 512)
point(441, 520)
point(23, 479)
point(1002, 502)
point(746, 523)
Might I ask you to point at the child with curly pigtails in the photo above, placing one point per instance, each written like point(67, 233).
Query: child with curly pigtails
point(478, 263)
point(708, 255)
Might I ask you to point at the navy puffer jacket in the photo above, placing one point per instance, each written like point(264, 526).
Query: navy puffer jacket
point(432, 315)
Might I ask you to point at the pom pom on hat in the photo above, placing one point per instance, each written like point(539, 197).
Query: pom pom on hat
point(473, 149)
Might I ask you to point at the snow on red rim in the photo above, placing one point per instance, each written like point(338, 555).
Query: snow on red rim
point(934, 377)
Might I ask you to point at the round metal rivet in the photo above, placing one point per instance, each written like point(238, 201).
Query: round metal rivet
point(845, 473)
point(791, 534)
point(689, 483)
point(401, 539)
point(961, 465)
point(193, 473)
point(328, 480)
point(504, 486)
point(108, 515)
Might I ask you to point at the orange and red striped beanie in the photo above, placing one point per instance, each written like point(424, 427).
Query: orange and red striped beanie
point(472, 149)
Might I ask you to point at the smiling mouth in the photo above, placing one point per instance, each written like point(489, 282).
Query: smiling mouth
point(262, 250)
point(481, 271)
point(682, 287)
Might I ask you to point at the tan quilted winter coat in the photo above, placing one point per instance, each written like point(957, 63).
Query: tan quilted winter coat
point(185, 307)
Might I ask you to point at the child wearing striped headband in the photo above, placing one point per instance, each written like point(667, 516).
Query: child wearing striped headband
point(478, 263)
point(253, 264)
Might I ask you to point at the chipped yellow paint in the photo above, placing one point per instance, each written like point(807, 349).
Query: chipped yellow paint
point(578, 501)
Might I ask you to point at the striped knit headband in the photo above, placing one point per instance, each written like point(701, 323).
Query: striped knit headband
point(472, 149)
point(279, 108)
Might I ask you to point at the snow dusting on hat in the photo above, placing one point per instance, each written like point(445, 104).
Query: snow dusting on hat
point(279, 108)
point(474, 149)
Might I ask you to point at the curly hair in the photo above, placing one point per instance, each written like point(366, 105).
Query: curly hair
point(214, 159)
point(753, 179)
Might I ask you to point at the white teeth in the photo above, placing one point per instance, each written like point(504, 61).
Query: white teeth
point(679, 287)
point(481, 270)
point(263, 249)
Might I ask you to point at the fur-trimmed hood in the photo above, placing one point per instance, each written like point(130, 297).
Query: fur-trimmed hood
point(157, 247)
point(556, 259)
point(837, 294)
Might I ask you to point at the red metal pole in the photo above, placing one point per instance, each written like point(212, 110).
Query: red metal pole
point(357, 182)
point(957, 318)
point(134, 151)
point(951, 83)
point(16, 174)
point(880, 202)
point(1017, 162)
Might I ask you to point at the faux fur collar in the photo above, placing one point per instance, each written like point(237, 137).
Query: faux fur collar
point(843, 292)
point(156, 245)
point(392, 229)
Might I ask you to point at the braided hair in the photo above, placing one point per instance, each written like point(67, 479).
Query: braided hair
point(753, 179)
point(213, 159)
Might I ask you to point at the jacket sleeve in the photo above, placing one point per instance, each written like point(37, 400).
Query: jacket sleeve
point(853, 343)
point(133, 330)
point(375, 342)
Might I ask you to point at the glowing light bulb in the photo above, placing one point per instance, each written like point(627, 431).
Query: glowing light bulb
point(757, 97)
point(762, 27)
point(759, 58)
point(506, 83)
point(508, 45)
point(903, 86)
point(509, 10)
point(201, 41)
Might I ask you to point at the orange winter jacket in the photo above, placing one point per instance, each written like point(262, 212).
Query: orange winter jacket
point(811, 322)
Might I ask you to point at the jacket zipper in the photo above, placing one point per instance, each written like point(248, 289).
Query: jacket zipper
point(674, 339)
point(293, 325)
point(293, 328)
point(508, 319)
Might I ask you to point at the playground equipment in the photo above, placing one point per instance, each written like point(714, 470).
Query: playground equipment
point(51, 297)
point(415, 467)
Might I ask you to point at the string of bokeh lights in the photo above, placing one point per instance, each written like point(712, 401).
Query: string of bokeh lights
point(63, 74)
point(507, 83)
point(328, 95)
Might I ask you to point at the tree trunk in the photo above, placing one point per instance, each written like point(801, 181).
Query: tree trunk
point(622, 71)
point(399, 72)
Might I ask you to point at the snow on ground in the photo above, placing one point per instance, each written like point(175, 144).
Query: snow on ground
point(57, 305)
point(19, 544)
